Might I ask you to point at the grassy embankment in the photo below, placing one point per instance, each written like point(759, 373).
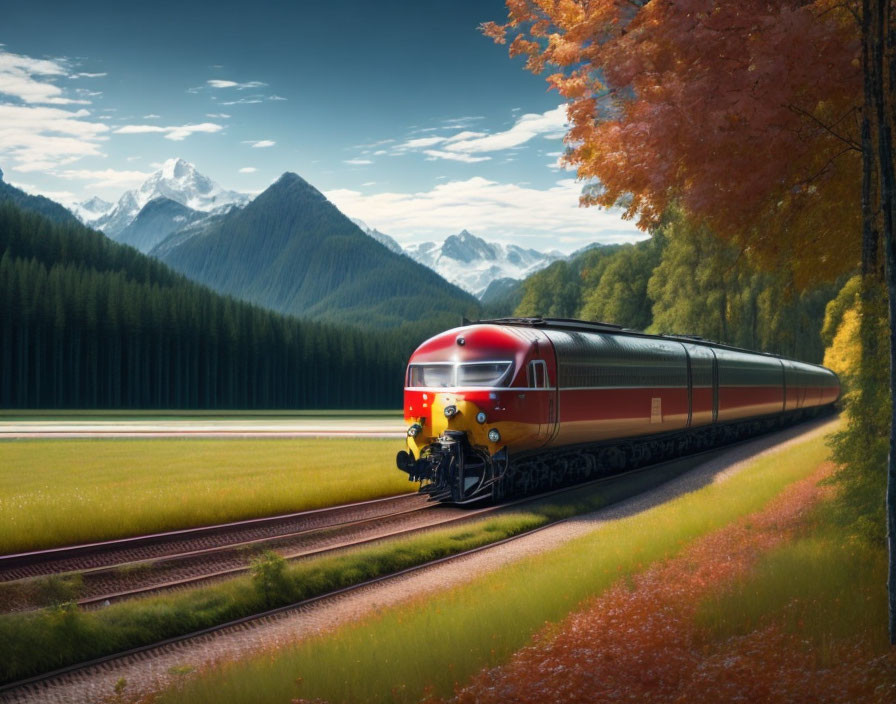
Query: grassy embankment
point(39, 641)
point(60, 492)
point(429, 644)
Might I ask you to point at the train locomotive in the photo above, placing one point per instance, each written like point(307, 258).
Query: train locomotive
point(518, 405)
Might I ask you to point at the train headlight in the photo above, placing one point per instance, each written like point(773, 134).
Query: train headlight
point(414, 430)
point(450, 411)
point(494, 435)
point(480, 417)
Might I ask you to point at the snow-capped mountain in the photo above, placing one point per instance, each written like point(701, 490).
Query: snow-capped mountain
point(380, 237)
point(89, 210)
point(472, 263)
point(176, 180)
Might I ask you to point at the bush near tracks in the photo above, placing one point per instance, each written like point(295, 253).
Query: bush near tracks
point(62, 492)
point(434, 642)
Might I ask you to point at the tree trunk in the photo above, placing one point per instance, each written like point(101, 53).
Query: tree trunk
point(878, 101)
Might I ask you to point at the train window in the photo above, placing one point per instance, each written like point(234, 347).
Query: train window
point(431, 375)
point(483, 374)
point(537, 374)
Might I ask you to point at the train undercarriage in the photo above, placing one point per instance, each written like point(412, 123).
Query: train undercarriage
point(452, 470)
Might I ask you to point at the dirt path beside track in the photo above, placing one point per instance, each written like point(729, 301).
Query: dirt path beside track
point(152, 670)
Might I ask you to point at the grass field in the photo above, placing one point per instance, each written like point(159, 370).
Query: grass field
point(59, 492)
point(34, 642)
point(433, 642)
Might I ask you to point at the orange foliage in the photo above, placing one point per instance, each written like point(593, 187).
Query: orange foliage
point(638, 642)
point(746, 112)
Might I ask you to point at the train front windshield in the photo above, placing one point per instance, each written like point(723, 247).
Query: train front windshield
point(453, 375)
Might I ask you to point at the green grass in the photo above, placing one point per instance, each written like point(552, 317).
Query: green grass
point(819, 587)
point(435, 641)
point(37, 641)
point(59, 492)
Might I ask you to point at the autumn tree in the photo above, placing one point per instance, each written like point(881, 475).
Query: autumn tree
point(769, 121)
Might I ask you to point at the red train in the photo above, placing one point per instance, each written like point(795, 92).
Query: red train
point(517, 405)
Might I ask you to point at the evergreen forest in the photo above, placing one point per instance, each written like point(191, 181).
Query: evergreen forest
point(89, 323)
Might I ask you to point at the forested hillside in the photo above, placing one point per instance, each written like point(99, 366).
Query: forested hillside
point(684, 280)
point(88, 323)
point(292, 251)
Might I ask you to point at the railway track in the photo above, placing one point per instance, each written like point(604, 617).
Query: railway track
point(27, 689)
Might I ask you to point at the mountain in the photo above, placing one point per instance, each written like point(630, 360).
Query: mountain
point(380, 237)
point(472, 263)
point(176, 180)
point(93, 209)
point(293, 251)
point(158, 219)
point(501, 298)
point(35, 204)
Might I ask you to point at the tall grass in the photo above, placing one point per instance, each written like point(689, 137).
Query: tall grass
point(59, 492)
point(437, 640)
point(38, 641)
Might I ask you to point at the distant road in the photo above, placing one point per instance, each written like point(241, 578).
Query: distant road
point(205, 428)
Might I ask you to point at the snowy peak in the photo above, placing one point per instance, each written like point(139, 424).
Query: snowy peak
point(466, 247)
point(472, 263)
point(176, 180)
point(179, 181)
point(380, 237)
point(93, 209)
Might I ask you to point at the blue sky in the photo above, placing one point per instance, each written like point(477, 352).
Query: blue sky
point(401, 112)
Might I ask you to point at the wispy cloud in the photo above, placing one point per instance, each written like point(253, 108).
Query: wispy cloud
point(259, 143)
point(248, 170)
point(242, 101)
point(358, 162)
point(217, 115)
point(151, 116)
point(106, 178)
point(216, 83)
point(42, 138)
point(463, 145)
point(497, 210)
point(83, 74)
point(454, 156)
point(173, 132)
point(30, 80)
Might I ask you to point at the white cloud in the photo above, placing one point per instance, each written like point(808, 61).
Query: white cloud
point(88, 75)
point(369, 183)
point(358, 162)
point(525, 128)
point(217, 115)
point(19, 79)
point(42, 138)
point(491, 209)
point(259, 143)
point(452, 156)
point(106, 178)
point(174, 132)
point(216, 83)
point(462, 145)
point(248, 170)
point(151, 116)
point(243, 101)
point(276, 98)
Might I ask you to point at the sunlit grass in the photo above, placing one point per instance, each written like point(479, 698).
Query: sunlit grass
point(34, 642)
point(58, 492)
point(435, 641)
